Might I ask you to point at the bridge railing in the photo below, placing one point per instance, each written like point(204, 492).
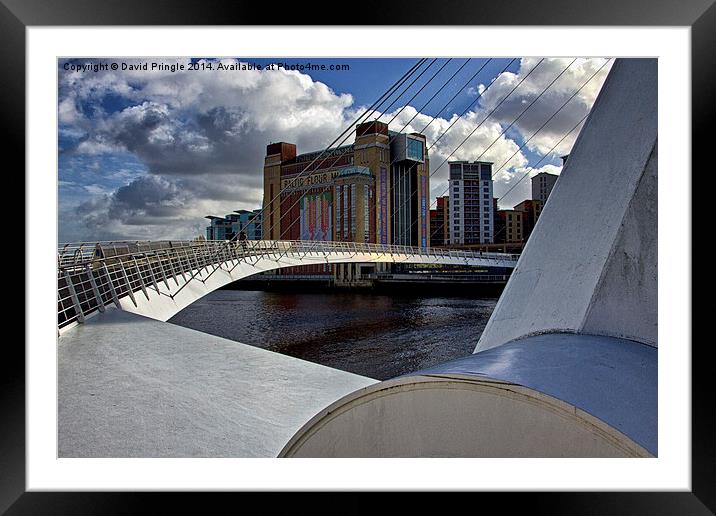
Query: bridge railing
point(92, 275)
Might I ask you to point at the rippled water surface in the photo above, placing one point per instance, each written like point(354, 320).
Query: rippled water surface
point(372, 335)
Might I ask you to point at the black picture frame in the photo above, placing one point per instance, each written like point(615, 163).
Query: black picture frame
point(17, 15)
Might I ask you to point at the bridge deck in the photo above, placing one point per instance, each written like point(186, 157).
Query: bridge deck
point(130, 386)
point(91, 276)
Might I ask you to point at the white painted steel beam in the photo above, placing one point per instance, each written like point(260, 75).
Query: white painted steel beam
point(590, 265)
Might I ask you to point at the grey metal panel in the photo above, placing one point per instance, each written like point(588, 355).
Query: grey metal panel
point(613, 379)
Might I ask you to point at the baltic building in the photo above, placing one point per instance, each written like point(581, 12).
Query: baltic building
point(374, 190)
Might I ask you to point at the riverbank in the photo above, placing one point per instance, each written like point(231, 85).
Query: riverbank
point(388, 285)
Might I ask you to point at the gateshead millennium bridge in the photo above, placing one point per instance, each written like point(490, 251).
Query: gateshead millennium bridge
point(158, 279)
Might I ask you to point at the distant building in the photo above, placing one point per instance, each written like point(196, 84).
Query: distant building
point(374, 190)
point(498, 236)
point(228, 227)
point(471, 204)
point(516, 225)
point(219, 228)
point(233, 220)
point(511, 221)
point(250, 222)
point(439, 222)
point(531, 210)
point(542, 185)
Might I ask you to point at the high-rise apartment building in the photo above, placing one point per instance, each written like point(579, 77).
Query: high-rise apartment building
point(542, 185)
point(219, 228)
point(471, 219)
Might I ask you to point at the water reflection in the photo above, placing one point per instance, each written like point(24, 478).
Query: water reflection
point(372, 335)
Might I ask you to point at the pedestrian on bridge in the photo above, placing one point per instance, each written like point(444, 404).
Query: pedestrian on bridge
point(242, 240)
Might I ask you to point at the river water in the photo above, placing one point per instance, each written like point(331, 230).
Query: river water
point(373, 335)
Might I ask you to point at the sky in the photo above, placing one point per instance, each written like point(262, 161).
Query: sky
point(146, 154)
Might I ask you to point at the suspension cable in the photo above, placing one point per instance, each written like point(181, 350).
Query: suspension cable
point(389, 141)
point(367, 111)
point(409, 198)
point(551, 117)
point(446, 105)
point(346, 134)
point(527, 172)
point(535, 133)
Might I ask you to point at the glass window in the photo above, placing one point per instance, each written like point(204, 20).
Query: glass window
point(353, 210)
point(345, 215)
point(366, 213)
point(414, 149)
point(339, 190)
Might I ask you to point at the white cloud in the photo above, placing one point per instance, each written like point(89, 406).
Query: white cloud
point(67, 111)
point(202, 135)
point(152, 206)
point(486, 142)
point(514, 185)
point(96, 189)
point(205, 131)
point(565, 86)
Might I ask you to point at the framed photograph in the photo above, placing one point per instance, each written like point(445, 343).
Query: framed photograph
point(322, 257)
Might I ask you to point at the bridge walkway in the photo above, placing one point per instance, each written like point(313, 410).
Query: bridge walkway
point(130, 386)
point(157, 279)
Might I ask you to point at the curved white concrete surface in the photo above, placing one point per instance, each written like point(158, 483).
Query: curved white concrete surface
point(453, 416)
point(557, 395)
point(130, 386)
point(162, 306)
